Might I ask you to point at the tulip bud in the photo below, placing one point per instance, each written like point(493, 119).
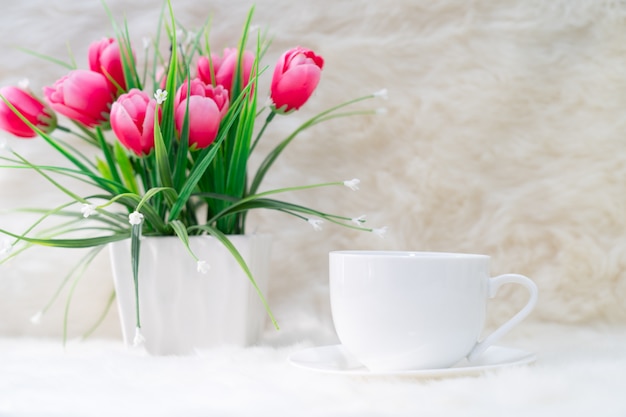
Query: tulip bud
point(105, 58)
point(207, 106)
point(296, 76)
point(132, 121)
point(82, 96)
point(224, 69)
point(31, 108)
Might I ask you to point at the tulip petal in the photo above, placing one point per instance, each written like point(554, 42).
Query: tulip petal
point(296, 86)
point(224, 68)
point(204, 120)
point(29, 107)
point(132, 121)
point(147, 132)
point(82, 96)
point(125, 128)
point(105, 58)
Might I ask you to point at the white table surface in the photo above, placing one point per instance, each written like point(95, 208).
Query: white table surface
point(580, 371)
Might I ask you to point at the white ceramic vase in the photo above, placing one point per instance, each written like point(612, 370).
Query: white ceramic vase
point(182, 309)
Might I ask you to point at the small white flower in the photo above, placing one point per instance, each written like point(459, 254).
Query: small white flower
point(316, 223)
point(5, 247)
point(382, 94)
point(88, 210)
point(135, 218)
point(380, 232)
point(139, 339)
point(352, 184)
point(24, 83)
point(358, 220)
point(160, 96)
point(381, 110)
point(146, 42)
point(36, 319)
point(203, 267)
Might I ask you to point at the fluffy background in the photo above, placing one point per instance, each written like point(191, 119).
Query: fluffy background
point(504, 134)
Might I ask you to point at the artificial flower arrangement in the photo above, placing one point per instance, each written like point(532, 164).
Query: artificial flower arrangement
point(177, 163)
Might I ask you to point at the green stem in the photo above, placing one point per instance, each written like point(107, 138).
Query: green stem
point(265, 193)
point(269, 118)
point(272, 156)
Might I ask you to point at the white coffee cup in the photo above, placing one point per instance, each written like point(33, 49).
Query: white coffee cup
point(400, 310)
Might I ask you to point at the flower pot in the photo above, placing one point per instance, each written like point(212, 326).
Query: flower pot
point(182, 309)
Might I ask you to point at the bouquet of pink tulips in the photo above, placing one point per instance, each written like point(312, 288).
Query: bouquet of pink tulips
point(174, 146)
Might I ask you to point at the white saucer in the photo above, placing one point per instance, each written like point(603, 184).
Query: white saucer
point(335, 359)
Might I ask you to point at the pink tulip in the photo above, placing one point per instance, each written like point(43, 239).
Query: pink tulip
point(31, 108)
point(207, 106)
point(296, 76)
point(161, 78)
point(224, 68)
point(81, 95)
point(105, 58)
point(132, 121)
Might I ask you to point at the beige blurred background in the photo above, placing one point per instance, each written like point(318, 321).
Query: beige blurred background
point(505, 134)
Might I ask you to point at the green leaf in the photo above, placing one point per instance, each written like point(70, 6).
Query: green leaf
point(76, 270)
point(123, 162)
point(135, 251)
point(238, 164)
point(103, 168)
point(204, 160)
point(55, 183)
point(79, 271)
point(65, 153)
point(86, 177)
point(129, 66)
point(180, 167)
point(157, 58)
point(151, 216)
point(106, 150)
point(128, 60)
point(169, 192)
point(47, 214)
point(243, 41)
point(49, 58)
point(236, 207)
point(275, 153)
point(168, 120)
point(85, 242)
point(162, 161)
point(181, 232)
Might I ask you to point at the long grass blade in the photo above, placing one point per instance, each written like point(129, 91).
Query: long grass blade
point(275, 153)
point(135, 250)
point(78, 271)
point(126, 168)
point(48, 58)
point(83, 242)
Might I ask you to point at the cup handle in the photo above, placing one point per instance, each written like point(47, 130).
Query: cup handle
point(493, 286)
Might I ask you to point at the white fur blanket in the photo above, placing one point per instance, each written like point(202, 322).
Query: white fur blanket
point(504, 134)
point(579, 372)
